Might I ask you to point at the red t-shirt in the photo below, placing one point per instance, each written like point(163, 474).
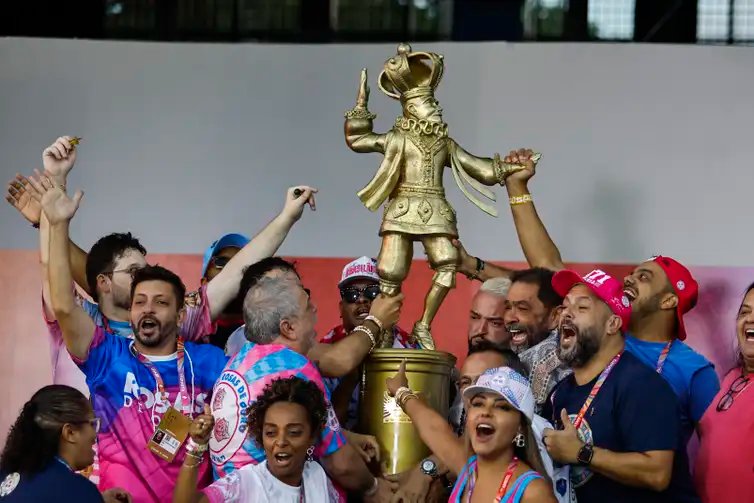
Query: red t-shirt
point(724, 470)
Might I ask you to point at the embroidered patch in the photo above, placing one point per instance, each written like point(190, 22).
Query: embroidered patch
point(681, 285)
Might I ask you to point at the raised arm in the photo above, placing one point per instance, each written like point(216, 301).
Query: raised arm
point(342, 357)
point(475, 268)
point(186, 490)
point(538, 247)
point(223, 288)
point(358, 126)
point(58, 160)
point(77, 327)
point(434, 429)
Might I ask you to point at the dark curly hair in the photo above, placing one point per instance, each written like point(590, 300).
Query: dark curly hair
point(35, 436)
point(292, 390)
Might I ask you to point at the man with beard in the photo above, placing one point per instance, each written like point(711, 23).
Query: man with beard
point(487, 313)
point(661, 290)
point(215, 259)
point(531, 320)
point(618, 419)
point(106, 272)
point(134, 384)
point(359, 285)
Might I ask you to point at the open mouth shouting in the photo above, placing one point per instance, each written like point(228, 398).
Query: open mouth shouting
point(630, 292)
point(282, 459)
point(749, 334)
point(568, 334)
point(148, 326)
point(484, 432)
point(518, 333)
point(362, 312)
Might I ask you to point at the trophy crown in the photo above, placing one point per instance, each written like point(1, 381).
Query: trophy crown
point(409, 74)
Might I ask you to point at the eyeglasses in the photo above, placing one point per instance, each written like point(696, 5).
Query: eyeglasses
point(95, 423)
point(736, 387)
point(131, 270)
point(219, 261)
point(351, 294)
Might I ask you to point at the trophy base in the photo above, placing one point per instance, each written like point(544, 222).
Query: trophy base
point(428, 374)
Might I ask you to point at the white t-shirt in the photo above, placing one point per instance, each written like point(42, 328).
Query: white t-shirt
point(255, 484)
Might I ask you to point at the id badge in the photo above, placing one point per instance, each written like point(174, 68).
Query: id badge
point(169, 435)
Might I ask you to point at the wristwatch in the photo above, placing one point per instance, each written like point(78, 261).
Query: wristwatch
point(584, 457)
point(429, 467)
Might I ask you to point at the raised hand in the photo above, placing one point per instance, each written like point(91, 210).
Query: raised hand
point(362, 99)
point(56, 204)
point(25, 198)
point(387, 309)
point(563, 445)
point(399, 380)
point(523, 157)
point(295, 200)
point(59, 158)
point(201, 427)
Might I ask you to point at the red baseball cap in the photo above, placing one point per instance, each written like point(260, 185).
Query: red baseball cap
point(684, 286)
point(607, 288)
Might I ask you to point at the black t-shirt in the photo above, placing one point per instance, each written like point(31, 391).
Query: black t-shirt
point(53, 484)
point(634, 411)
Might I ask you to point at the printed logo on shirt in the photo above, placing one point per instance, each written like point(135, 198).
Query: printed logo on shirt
point(580, 475)
point(144, 399)
point(229, 407)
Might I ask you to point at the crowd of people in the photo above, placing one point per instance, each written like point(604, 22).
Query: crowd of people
point(574, 388)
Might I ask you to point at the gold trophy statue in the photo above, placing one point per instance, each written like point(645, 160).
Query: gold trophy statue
point(410, 184)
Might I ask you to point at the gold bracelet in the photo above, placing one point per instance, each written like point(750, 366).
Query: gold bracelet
point(405, 398)
point(365, 330)
point(376, 321)
point(516, 200)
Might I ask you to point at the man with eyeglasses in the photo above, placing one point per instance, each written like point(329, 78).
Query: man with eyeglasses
point(215, 259)
point(358, 286)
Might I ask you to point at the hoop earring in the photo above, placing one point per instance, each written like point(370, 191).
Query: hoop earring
point(310, 453)
point(520, 440)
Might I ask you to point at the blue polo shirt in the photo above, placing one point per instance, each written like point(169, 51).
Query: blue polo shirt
point(691, 375)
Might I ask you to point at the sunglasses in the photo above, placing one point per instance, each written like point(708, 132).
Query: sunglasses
point(736, 387)
point(351, 294)
point(219, 262)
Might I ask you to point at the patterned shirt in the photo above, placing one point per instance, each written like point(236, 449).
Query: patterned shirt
point(241, 382)
point(545, 368)
point(196, 327)
point(125, 398)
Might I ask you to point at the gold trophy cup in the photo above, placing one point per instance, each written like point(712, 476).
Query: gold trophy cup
point(428, 374)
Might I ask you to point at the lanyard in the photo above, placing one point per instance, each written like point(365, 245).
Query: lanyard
point(663, 357)
point(595, 389)
point(182, 388)
point(503, 484)
point(62, 462)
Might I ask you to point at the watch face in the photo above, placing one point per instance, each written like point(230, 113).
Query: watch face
point(428, 466)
